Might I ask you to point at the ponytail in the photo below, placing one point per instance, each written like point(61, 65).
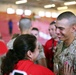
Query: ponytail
point(9, 62)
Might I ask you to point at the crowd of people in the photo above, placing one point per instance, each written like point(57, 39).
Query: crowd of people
point(27, 56)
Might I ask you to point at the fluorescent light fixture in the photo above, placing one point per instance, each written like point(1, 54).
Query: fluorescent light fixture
point(54, 15)
point(27, 12)
point(10, 11)
point(41, 13)
point(21, 1)
point(70, 3)
point(62, 8)
point(48, 14)
point(49, 6)
point(19, 11)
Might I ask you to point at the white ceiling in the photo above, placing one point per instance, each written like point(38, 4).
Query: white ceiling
point(40, 3)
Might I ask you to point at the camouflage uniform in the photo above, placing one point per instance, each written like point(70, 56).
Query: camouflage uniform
point(67, 55)
point(41, 52)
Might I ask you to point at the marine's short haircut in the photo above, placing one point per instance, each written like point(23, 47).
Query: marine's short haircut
point(24, 23)
point(69, 16)
point(34, 28)
point(53, 22)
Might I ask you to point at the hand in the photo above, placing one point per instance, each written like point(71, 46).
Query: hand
point(67, 69)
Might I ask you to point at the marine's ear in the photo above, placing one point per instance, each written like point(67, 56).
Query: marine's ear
point(74, 28)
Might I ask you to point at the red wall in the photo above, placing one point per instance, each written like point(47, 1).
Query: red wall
point(42, 24)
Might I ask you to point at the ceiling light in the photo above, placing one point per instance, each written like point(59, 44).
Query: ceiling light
point(62, 8)
point(54, 14)
point(10, 11)
point(21, 1)
point(70, 3)
point(19, 11)
point(27, 12)
point(48, 14)
point(49, 6)
point(41, 13)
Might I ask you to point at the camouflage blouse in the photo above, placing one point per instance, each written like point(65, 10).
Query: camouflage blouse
point(67, 55)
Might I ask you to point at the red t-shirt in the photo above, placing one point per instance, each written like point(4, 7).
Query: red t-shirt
point(48, 49)
point(30, 68)
point(3, 48)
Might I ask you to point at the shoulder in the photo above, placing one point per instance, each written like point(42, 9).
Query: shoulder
point(41, 70)
point(10, 43)
point(73, 45)
point(60, 44)
point(48, 41)
point(33, 69)
point(74, 42)
point(3, 48)
point(1, 42)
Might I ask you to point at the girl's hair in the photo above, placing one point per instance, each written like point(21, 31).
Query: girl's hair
point(21, 46)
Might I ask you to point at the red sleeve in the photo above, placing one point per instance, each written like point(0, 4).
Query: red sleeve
point(46, 51)
point(48, 46)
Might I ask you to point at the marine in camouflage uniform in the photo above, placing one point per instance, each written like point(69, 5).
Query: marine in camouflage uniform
point(65, 55)
point(62, 56)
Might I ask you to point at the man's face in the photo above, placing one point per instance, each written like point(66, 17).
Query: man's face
point(35, 33)
point(52, 31)
point(63, 29)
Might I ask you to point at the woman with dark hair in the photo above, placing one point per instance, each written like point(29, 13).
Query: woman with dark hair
point(20, 59)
